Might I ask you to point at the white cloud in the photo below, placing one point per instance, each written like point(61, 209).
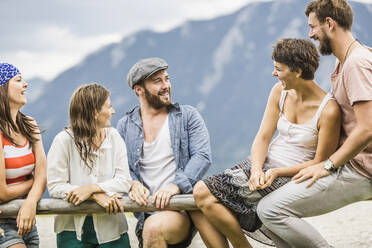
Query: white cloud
point(61, 50)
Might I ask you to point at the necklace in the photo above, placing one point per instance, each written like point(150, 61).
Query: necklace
point(347, 50)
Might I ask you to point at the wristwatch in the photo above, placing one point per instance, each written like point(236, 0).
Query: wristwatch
point(329, 166)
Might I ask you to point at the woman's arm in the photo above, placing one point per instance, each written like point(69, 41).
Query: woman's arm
point(119, 182)
point(58, 170)
point(39, 184)
point(27, 212)
point(328, 138)
point(263, 138)
point(359, 138)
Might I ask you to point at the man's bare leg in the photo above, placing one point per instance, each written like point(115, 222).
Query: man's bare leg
point(165, 227)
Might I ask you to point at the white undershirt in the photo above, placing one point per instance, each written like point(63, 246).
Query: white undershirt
point(157, 164)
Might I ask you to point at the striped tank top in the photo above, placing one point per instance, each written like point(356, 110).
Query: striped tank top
point(19, 161)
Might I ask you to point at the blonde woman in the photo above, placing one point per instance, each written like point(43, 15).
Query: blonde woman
point(88, 161)
point(22, 161)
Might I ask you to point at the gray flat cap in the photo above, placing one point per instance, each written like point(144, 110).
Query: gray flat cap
point(143, 69)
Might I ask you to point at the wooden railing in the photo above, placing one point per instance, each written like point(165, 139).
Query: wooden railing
point(58, 206)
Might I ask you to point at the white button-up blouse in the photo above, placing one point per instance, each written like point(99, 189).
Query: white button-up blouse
point(66, 171)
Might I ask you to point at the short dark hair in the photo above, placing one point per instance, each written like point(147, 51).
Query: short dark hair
point(297, 54)
point(338, 10)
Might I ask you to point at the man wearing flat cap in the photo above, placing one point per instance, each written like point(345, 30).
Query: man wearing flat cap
point(168, 152)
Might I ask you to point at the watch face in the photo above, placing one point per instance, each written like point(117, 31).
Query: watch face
point(328, 165)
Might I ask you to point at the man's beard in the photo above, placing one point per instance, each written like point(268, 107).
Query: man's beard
point(155, 101)
point(325, 47)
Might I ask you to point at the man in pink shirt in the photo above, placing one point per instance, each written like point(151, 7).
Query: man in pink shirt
point(346, 176)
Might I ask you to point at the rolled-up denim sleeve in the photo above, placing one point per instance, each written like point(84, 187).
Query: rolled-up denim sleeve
point(200, 153)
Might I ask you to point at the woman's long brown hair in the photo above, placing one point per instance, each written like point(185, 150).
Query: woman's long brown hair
point(85, 103)
point(23, 125)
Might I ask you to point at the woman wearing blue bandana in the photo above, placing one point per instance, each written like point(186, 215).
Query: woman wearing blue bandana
point(22, 161)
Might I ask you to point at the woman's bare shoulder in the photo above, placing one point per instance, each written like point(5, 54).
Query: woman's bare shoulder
point(331, 111)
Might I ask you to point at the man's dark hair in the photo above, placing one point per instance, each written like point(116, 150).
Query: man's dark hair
point(338, 10)
point(297, 54)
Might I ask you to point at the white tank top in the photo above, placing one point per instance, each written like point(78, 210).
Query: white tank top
point(295, 143)
point(157, 164)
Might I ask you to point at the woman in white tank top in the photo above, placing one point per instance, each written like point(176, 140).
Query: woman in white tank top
point(308, 125)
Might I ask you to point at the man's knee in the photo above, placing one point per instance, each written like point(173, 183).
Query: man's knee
point(167, 226)
point(267, 211)
point(201, 193)
point(151, 230)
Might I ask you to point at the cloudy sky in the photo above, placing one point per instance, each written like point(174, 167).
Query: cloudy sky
point(45, 37)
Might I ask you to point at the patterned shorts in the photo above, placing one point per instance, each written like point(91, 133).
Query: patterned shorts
point(231, 189)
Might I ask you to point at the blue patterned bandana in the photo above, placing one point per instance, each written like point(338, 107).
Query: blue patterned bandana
point(7, 72)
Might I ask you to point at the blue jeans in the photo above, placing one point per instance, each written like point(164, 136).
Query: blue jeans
point(9, 225)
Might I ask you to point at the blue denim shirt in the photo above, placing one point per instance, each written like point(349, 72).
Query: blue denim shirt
point(189, 140)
